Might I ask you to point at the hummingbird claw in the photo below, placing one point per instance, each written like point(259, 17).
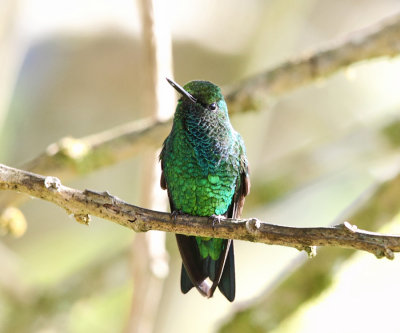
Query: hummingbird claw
point(216, 219)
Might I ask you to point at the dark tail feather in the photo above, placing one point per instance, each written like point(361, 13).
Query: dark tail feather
point(192, 273)
point(227, 282)
point(209, 267)
point(186, 284)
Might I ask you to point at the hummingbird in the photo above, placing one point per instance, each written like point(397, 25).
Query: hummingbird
point(205, 172)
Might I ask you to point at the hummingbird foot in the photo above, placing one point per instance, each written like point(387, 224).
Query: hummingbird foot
point(216, 219)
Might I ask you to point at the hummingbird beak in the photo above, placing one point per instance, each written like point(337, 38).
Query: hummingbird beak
point(182, 91)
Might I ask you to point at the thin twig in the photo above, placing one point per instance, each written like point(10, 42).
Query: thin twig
point(149, 255)
point(82, 204)
point(70, 157)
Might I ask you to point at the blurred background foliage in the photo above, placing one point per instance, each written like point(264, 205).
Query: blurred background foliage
point(73, 68)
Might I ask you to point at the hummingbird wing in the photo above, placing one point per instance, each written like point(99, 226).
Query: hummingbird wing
point(226, 269)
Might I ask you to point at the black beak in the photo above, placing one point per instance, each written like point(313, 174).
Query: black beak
point(182, 91)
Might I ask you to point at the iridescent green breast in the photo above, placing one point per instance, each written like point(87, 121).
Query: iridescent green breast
point(197, 187)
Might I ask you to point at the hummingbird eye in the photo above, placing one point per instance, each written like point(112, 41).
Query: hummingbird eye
point(212, 106)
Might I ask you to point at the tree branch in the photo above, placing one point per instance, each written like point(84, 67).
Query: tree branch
point(72, 157)
point(82, 204)
point(378, 40)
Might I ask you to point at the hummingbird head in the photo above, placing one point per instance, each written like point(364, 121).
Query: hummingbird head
point(202, 117)
point(202, 94)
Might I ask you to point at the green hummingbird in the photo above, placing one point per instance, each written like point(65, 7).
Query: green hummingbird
point(205, 171)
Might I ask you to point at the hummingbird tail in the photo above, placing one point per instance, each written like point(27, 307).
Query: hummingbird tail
point(196, 270)
point(186, 284)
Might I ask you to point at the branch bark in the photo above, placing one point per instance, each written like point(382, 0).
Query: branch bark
point(82, 204)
